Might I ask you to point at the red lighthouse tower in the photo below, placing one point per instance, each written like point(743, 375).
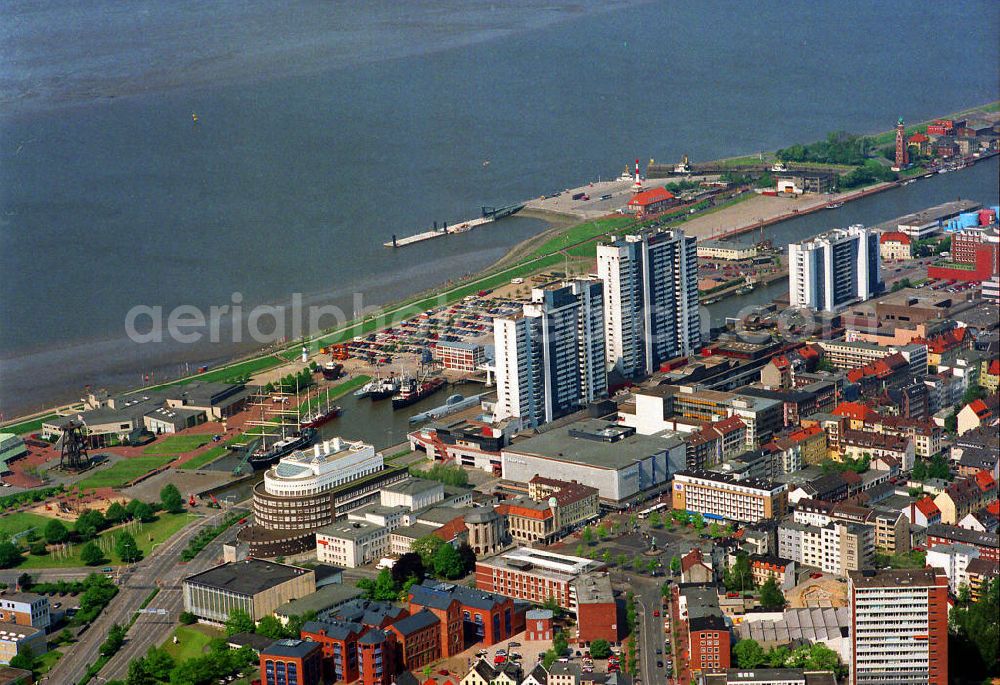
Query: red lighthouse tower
point(902, 154)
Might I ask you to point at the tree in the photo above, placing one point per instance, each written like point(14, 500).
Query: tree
point(600, 649)
point(580, 549)
point(939, 467)
point(606, 556)
point(384, 588)
point(126, 548)
point(139, 673)
point(410, 565)
point(25, 581)
point(951, 422)
point(919, 470)
point(776, 657)
point(171, 498)
point(38, 549)
point(822, 658)
point(601, 532)
point(89, 523)
point(239, 621)
point(144, 512)
point(270, 626)
point(665, 589)
point(468, 557)
point(56, 532)
point(116, 513)
point(655, 520)
point(770, 594)
point(10, 554)
point(739, 577)
point(25, 658)
point(91, 554)
point(187, 618)
point(652, 565)
point(114, 641)
point(749, 654)
point(698, 521)
point(427, 547)
point(621, 560)
point(675, 564)
point(977, 628)
point(587, 536)
point(448, 563)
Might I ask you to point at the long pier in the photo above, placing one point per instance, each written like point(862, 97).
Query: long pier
point(490, 214)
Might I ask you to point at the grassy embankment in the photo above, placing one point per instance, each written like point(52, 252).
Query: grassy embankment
point(146, 536)
point(124, 471)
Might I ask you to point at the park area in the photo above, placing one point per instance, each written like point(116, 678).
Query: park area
point(124, 471)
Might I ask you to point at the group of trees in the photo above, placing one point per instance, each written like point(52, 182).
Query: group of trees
point(206, 535)
point(771, 596)
point(936, 467)
point(859, 465)
point(739, 577)
point(292, 382)
point(430, 556)
point(449, 475)
point(98, 591)
point(839, 147)
point(240, 621)
point(976, 630)
point(218, 664)
point(815, 657)
point(19, 499)
point(870, 172)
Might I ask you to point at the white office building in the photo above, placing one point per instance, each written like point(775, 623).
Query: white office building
point(651, 299)
point(833, 269)
point(350, 544)
point(550, 356)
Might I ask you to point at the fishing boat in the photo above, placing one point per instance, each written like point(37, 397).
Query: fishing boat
point(332, 370)
point(411, 391)
point(385, 388)
point(835, 205)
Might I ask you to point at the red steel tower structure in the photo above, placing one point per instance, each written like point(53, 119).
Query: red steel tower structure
point(902, 154)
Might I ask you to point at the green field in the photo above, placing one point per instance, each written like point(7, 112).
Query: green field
point(177, 444)
point(146, 535)
point(11, 524)
point(192, 641)
point(30, 426)
point(122, 472)
point(206, 457)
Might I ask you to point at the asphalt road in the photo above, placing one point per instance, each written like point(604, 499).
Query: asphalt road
point(160, 569)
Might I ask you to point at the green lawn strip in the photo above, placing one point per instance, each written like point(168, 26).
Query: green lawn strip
point(177, 444)
point(206, 457)
point(29, 426)
point(12, 524)
point(125, 471)
point(146, 535)
point(192, 641)
point(48, 660)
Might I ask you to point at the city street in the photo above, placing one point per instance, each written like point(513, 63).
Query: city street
point(161, 569)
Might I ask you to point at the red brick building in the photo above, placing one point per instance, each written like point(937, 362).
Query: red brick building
point(696, 612)
point(597, 612)
point(339, 643)
point(538, 625)
point(988, 544)
point(650, 202)
point(419, 639)
point(484, 616)
point(291, 661)
point(377, 661)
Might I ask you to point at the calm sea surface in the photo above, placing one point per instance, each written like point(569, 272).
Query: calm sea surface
point(326, 127)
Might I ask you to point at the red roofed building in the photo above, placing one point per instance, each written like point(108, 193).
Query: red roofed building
point(650, 202)
point(894, 245)
point(980, 412)
point(964, 496)
point(694, 569)
point(923, 512)
point(919, 141)
point(857, 413)
point(989, 375)
point(889, 372)
point(941, 127)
